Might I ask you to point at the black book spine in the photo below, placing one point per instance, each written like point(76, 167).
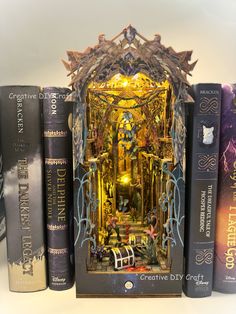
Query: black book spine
point(21, 138)
point(58, 183)
point(202, 174)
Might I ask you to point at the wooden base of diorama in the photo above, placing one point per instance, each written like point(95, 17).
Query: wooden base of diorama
point(128, 296)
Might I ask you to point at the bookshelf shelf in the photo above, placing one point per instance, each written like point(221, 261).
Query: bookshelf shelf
point(49, 301)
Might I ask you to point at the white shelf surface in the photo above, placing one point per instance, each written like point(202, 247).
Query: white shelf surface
point(65, 302)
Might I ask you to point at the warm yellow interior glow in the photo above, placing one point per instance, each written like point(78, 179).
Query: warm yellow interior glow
point(125, 179)
point(125, 83)
point(138, 83)
point(127, 92)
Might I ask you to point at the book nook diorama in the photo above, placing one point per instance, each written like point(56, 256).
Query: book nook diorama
point(129, 160)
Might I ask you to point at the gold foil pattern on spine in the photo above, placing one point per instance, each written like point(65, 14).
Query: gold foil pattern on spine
point(57, 251)
point(50, 133)
point(55, 161)
point(57, 227)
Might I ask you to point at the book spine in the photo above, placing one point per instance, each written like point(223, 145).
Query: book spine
point(58, 183)
point(202, 173)
point(21, 139)
point(2, 209)
point(225, 242)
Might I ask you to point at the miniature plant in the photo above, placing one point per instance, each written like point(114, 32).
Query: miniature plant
point(112, 225)
point(150, 249)
point(99, 252)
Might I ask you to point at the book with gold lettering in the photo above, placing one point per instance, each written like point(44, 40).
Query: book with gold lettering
point(21, 139)
point(225, 242)
point(58, 184)
point(202, 172)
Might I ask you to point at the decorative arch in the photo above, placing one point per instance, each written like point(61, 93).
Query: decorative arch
point(129, 53)
point(155, 180)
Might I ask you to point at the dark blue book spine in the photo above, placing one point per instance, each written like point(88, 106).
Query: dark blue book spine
point(58, 184)
point(202, 173)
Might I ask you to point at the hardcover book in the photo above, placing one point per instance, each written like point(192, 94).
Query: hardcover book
point(58, 185)
point(225, 241)
point(202, 172)
point(21, 139)
point(2, 209)
point(129, 155)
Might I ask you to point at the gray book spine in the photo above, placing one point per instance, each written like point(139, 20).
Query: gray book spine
point(21, 139)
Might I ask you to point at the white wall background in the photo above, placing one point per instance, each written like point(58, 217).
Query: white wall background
point(34, 35)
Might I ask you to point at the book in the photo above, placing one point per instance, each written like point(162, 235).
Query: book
point(225, 241)
point(202, 172)
point(2, 209)
point(21, 138)
point(58, 186)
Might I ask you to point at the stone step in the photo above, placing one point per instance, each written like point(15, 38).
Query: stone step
point(128, 218)
point(123, 234)
point(124, 228)
point(113, 242)
point(130, 230)
point(124, 237)
point(133, 226)
point(124, 219)
point(130, 224)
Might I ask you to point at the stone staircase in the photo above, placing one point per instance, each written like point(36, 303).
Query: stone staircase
point(136, 229)
point(127, 227)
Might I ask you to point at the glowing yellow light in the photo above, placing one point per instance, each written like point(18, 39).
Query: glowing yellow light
point(139, 82)
point(125, 179)
point(125, 83)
